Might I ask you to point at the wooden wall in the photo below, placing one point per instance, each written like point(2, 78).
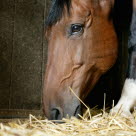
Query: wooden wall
point(23, 51)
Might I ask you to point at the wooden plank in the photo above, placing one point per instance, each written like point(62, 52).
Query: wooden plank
point(6, 41)
point(9, 114)
point(27, 55)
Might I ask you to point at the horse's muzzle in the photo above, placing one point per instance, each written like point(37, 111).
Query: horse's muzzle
point(57, 113)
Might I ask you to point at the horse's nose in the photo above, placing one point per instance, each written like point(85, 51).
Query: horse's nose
point(56, 113)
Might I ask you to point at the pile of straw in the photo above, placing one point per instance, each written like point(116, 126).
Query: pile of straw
point(102, 124)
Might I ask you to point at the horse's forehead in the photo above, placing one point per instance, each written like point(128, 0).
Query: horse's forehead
point(81, 7)
point(81, 2)
point(84, 4)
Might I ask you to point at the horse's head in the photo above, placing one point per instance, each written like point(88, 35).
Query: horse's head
point(82, 45)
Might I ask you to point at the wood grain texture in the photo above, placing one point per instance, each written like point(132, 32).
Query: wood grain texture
point(27, 55)
point(23, 50)
point(9, 114)
point(6, 44)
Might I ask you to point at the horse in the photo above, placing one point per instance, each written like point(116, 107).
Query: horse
point(127, 102)
point(82, 46)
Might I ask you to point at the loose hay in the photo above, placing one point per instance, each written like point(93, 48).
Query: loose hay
point(102, 124)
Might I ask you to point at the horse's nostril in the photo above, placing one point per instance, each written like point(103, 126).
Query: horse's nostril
point(77, 111)
point(56, 114)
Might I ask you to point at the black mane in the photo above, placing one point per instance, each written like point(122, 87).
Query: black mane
point(56, 11)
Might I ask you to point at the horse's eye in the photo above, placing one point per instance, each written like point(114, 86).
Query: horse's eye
point(76, 28)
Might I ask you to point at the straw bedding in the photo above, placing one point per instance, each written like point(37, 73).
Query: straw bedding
point(102, 124)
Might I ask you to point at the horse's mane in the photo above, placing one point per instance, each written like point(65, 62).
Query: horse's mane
point(56, 11)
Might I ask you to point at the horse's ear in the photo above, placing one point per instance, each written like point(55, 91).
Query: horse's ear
point(106, 5)
point(109, 2)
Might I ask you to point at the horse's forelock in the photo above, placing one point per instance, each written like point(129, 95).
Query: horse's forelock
point(56, 11)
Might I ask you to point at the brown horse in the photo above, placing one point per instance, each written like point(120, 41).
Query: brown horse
point(82, 45)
